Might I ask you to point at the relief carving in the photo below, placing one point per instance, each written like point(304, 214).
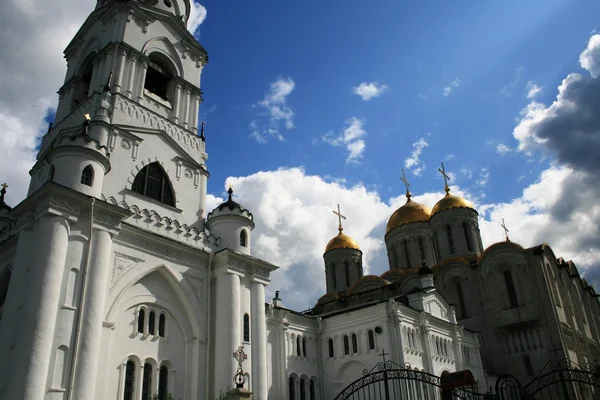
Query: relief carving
point(121, 265)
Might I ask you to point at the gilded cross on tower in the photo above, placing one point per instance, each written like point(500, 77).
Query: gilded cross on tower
point(340, 216)
point(446, 178)
point(505, 230)
point(406, 184)
point(4, 186)
point(87, 116)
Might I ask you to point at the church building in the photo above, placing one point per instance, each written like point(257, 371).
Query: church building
point(117, 282)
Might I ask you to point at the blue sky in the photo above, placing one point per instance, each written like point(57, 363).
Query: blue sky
point(415, 48)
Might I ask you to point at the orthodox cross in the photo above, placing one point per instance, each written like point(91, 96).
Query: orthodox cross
point(340, 216)
point(239, 377)
point(383, 354)
point(446, 177)
point(4, 186)
point(406, 184)
point(503, 225)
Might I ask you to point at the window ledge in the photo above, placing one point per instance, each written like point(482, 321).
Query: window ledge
point(130, 192)
point(158, 99)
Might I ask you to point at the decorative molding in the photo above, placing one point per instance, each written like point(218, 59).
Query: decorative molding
point(198, 288)
point(122, 264)
point(125, 145)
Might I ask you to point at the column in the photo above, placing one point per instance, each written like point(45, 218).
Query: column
point(176, 98)
point(108, 66)
point(118, 79)
point(131, 80)
point(139, 90)
point(186, 108)
point(122, 370)
point(86, 370)
point(51, 236)
point(227, 330)
point(259, 341)
point(194, 112)
point(427, 349)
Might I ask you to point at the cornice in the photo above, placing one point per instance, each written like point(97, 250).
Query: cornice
point(227, 261)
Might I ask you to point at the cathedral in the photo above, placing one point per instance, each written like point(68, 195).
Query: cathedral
point(117, 282)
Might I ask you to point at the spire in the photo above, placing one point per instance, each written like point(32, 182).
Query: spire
point(202, 132)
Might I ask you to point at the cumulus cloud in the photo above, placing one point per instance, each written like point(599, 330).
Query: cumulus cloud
point(590, 57)
point(352, 138)
point(369, 90)
point(451, 86)
point(274, 110)
point(197, 17)
point(533, 89)
point(413, 162)
point(484, 177)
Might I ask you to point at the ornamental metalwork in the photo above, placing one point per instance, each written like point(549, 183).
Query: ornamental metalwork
point(239, 378)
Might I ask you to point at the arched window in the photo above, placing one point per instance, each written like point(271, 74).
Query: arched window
point(298, 349)
point(406, 253)
point(141, 320)
point(510, 289)
point(467, 237)
point(129, 390)
point(304, 346)
point(159, 76)
point(347, 273)
point(243, 238)
point(421, 249)
point(147, 382)
point(312, 391)
point(151, 321)
point(346, 345)
point(354, 343)
point(302, 389)
point(450, 239)
point(87, 176)
point(84, 80)
point(331, 348)
point(528, 366)
point(371, 337)
point(246, 328)
point(292, 388)
point(161, 325)
point(461, 300)
point(153, 182)
point(163, 383)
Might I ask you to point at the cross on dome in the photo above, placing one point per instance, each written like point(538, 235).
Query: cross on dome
point(446, 178)
point(503, 225)
point(340, 216)
point(406, 184)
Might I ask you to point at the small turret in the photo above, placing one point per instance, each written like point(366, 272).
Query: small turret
point(232, 224)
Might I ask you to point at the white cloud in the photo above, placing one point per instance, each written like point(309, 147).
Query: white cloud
point(484, 177)
point(369, 90)
point(197, 17)
point(590, 57)
point(502, 149)
point(533, 89)
point(274, 109)
point(466, 172)
point(413, 162)
point(352, 138)
point(451, 86)
point(508, 89)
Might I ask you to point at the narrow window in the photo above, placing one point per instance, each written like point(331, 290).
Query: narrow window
point(354, 343)
point(406, 254)
point(141, 318)
point(347, 273)
point(243, 238)
point(302, 390)
point(153, 182)
point(87, 176)
point(151, 318)
point(292, 388)
point(304, 346)
point(331, 351)
point(129, 381)
point(461, 300)
point(510, 289)
point(246, 328)
point(528, 366)
point(450, 239)
point(467, 237)
point(298, 352)
point(163, 383)
point(147, 382)
point(334, 275)
point(371, 336)
point(158, 78)
point(161, 325)
point(346, 345)
point(312, 391)
point(421, 250)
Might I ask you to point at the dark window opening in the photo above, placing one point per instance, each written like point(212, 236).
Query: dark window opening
point(161, 325)
point(151, 320)
point(312, 391)
point(51, 173)
point(246, 328)
point(84, 78)
point(129, 381)
point(331, 349)
point(157, 80)
point(4, 287)
point(334, 276)
point(153, 182)
point(468, 237)
point(163, 383)
point(354, 343)
point(347, 273)
point(371, 339)
point(168, 3)
point(147, 382)
point(406, 254)
point(510, 289)
point(346, 345)
point(243, 238)
point(528, 366)
point(421, 250)
point(141, 318)
point(302, 390)
point(450, 239)
point(304, 346)
point(87, 176)
point(298, 353)
point(461, 301)
point(292, 388)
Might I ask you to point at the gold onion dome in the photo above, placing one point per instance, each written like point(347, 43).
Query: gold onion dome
point(410, 212)
point(450, 201)
point(341, 241)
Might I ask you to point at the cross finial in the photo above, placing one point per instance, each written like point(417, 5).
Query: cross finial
point(446, 178)
point(340, 216)
point(406, 184)
point(4, 186)
point(505, 230)
point(87, 116)
point(3, 192)
point(230, 191)
point(383, 354)
point(202, 131)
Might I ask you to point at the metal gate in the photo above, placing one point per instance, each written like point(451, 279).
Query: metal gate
point(390, 381)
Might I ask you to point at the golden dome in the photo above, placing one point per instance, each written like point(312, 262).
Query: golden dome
point(342, 241)
point(451, 201)
point(409, 212)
